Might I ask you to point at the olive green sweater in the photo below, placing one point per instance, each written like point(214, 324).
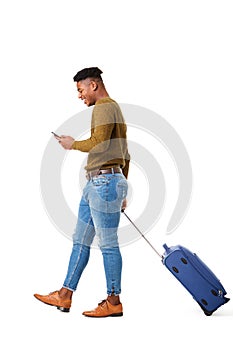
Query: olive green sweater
point(107, 145)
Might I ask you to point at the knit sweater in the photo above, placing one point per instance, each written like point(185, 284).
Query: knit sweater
point(107, 145)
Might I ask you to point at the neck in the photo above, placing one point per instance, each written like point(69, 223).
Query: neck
point(102, 94)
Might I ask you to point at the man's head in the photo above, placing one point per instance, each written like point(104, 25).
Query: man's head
point(90, 85)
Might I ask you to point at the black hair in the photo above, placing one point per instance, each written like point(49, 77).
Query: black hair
point(92, 72)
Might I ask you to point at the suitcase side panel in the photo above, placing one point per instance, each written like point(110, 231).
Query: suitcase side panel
point(203, 269)
point(205, 292)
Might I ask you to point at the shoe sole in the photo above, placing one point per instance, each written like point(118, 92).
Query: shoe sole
point(112, 315)
point(63, 309)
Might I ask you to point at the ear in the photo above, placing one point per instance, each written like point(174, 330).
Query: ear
point(94, 85)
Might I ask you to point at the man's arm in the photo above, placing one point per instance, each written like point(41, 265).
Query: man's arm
point(101, 130)
point(98, 142)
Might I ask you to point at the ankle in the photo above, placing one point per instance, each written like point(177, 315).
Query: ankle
point(65, 293)
point(113, 299)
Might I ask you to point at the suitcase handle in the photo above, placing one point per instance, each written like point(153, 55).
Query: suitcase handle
point(123, 211)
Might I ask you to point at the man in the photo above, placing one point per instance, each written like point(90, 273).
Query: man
point(103, 196)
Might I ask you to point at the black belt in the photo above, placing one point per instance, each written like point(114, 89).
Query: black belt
point(94, 173)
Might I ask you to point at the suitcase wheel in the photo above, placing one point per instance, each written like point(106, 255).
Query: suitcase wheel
point(207, 313)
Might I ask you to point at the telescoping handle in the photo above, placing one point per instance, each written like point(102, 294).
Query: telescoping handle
point(142, 235)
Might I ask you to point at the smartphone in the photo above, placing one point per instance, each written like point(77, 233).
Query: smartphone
point(55, 134)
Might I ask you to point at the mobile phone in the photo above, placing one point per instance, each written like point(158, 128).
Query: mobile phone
point(55, 134)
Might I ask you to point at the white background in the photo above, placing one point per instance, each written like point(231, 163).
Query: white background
point(173, 57)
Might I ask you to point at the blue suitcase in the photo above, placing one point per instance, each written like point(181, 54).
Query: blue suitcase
point(196, 277)
point(193, 274)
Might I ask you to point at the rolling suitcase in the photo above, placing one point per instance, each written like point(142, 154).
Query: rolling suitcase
point(193, 274)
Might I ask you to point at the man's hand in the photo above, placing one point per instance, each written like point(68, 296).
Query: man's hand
point(66, 141)
point(124, 204)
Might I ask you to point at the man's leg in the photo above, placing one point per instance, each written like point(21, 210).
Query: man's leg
point(105, 205)
point(82, 239)
point(113, 266)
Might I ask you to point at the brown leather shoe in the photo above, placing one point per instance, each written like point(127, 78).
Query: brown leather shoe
point(55, 300)
point(105, 309)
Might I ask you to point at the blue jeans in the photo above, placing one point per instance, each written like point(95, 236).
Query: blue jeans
point(99, 215)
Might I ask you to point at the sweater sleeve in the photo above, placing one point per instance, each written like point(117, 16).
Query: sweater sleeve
point(102, 126)
point(98, 142)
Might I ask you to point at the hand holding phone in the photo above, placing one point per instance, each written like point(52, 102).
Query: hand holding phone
point(65, 141)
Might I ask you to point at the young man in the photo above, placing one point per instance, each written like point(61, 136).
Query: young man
point(103, 196)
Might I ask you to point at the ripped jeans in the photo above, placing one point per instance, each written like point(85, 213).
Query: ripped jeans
point(99, 215)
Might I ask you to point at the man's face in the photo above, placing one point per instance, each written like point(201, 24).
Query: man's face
point(86, 91)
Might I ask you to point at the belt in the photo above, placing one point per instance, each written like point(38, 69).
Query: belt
point(94, 173)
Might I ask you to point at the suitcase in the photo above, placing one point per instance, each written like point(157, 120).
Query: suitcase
point(193, 274)
point(196, 277)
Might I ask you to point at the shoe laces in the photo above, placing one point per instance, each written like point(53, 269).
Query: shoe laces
point(53, 292)
point(101, 303)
